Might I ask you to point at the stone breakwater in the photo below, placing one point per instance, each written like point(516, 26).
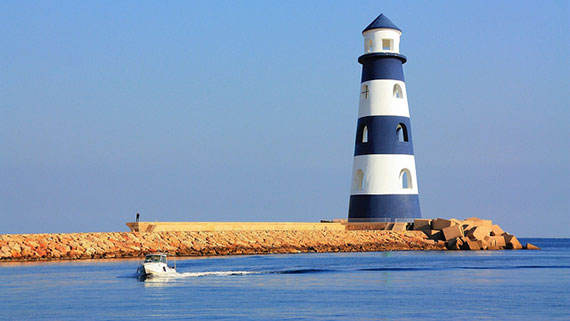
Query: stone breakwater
point(72, 246)
point(471, 234)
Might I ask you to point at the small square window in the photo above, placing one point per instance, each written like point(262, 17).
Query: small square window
point(386, 44)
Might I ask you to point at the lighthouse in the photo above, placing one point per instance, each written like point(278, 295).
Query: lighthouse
point(384, 178)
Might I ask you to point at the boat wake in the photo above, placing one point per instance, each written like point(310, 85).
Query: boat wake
point(214, 273)
point(160, 280)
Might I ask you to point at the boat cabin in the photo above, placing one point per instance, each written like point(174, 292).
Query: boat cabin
point(155, 258)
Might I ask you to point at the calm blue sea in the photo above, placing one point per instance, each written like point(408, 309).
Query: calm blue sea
point(513, 285)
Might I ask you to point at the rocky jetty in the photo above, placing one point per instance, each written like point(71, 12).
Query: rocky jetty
point(44, 247)
point(469, 234)
point(423, 234)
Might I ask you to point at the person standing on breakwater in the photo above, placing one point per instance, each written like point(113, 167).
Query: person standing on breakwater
point(138, 216)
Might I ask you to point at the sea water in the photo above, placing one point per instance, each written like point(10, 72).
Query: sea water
point(504, 285)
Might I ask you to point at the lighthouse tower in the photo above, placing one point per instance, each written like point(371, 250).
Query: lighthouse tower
point(384, 180)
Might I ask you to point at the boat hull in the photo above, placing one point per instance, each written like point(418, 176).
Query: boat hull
point(155, 269)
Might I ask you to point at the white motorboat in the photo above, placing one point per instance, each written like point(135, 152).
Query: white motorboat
point(155, 264)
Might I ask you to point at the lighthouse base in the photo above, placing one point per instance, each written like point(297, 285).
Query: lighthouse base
point(384, 208)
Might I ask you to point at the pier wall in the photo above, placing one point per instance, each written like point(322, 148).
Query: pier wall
point(336, 225)
point(233, 226)
point(72, 246)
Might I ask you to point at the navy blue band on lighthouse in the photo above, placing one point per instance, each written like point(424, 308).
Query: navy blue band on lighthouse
point(386, 135)
point(382, 66)
point(383, 208)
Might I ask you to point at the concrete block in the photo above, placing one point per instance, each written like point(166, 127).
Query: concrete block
point(452, 232)
point(484, 244)
point(496, 230)
point(454, 244)
point(399, 226)
point(496, 242)
point(422, 224)
point(466, 224)
point(435, 235)
point(472, 245)
point(468, 229)
point(481, 244)
point(479, 233)
point(529, 246)
point(512, 242)
point(440, 224)
point(479, 222)
point(455, 221)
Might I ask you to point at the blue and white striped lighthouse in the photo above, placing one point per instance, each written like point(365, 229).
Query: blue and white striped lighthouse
point(384, 179)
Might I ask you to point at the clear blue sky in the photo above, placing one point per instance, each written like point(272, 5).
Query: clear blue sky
point(246, 111)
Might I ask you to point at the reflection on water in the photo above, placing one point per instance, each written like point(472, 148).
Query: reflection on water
point(156, 282)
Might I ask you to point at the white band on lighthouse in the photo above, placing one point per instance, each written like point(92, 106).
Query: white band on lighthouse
point(384, 174)
point(383, 97)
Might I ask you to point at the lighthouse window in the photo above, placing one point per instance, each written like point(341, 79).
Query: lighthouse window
point(398, 91)
point(406, 178)
point(365, 91)
point(370, 46)
point(358, 180)
point(365, 134)
point(402, 133)
point(387, 44)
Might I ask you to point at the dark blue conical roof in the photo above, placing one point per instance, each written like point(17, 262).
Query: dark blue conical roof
point(381, 22)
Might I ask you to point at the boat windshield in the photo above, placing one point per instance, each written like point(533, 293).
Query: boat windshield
point(155, 259)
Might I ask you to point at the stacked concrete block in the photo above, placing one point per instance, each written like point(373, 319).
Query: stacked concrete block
point(495, 242)
point(452, 232)
point(479, 232)
point(470, 234)
point(512, 242)
point(435, 235)
point(441, 223)
point(400, 227)
point(496, 230)
point(454, 244)
point(479, 222)
point(472, 245)
point(422, 224)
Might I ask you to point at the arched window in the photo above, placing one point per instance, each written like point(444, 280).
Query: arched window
point(398, 92)
point(406, 178)
point(402, 133)
point(365, 134)
point(358, 180)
